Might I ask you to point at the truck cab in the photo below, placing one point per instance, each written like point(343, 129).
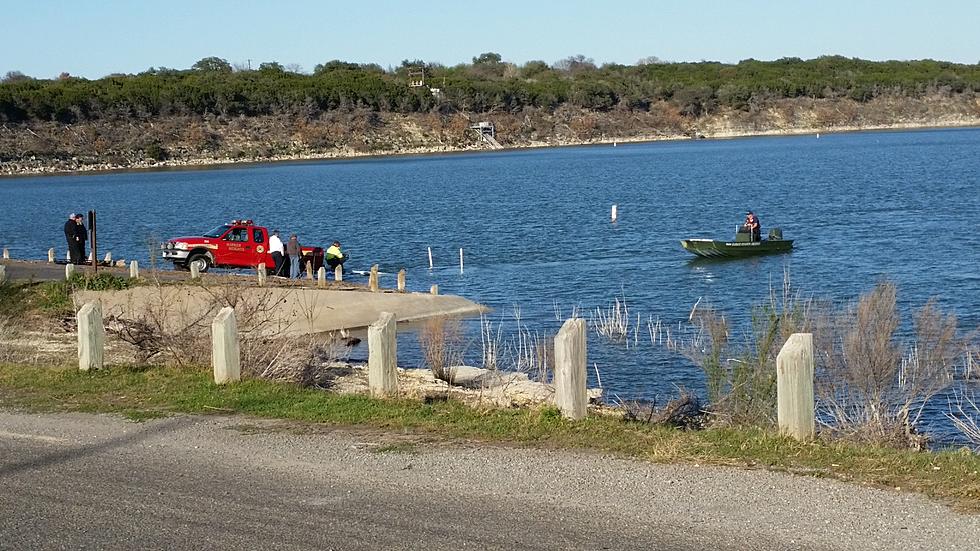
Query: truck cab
point(238, 244)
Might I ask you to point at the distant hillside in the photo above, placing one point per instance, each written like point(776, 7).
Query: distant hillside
point(213, 113)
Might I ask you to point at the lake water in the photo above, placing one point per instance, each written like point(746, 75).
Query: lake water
point(536, 232)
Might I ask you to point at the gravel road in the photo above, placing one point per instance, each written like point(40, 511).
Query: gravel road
point(77, 481)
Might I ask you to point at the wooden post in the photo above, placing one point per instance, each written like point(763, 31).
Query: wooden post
point(69, 271)
point(338, 273)
point(321, 277)
point(614, 213)
point(195, 271)
point(570, 360)
point(309, 270)
point(461, 260)
point(794, 387)
point(401, 280)
point(225, 357)
point(91, 336)
point(134, 269)
point(51, 256)
point(434, 290)
point(260, 270)
point(383, 356)
point(6, 253)
point(430, 257)
point(373, 279)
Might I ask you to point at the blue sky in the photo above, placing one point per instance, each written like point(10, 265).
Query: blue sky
point(92, 38)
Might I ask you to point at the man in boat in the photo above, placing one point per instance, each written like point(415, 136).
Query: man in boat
point(753, 225)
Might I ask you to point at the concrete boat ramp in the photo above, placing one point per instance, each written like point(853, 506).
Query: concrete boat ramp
point(291, 306)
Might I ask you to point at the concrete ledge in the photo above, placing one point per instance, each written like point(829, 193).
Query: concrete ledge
point(332, 309)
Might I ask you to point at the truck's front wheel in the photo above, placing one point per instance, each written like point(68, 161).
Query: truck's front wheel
point(201, 260)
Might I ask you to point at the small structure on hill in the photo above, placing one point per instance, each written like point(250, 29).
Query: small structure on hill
point(488, 133)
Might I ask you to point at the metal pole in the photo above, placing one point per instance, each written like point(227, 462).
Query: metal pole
point(93, 239)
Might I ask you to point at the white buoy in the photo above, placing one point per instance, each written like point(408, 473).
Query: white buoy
point(430, 257)
point(461, 260)
point(614, 213)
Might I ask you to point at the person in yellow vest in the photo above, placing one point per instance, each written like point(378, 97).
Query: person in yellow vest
point(335, 257)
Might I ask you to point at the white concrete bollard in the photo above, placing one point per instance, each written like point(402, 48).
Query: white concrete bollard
point(91, 337)
point(434, 290)
point(108, 258)
point(68, 256)
point(225, 357)
point(570, 360)
point(321, 277)
point(134, 269)
point(383, 356)
point(260, 270)
point(338, 273)
point(401, 280)
point(309, 270)
point(51, 256)
point(69, 271)
point(3, 273)
point(794, 387)
point(6, 253)
point(373, 279)
point(195, 272)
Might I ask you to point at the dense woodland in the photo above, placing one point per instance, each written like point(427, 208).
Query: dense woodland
point(488, 84)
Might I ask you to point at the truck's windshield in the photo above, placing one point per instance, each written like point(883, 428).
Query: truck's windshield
point(217, 232)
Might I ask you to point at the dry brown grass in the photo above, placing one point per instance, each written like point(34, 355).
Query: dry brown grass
point(441, 341)
point(168, 332)
point(873, 387)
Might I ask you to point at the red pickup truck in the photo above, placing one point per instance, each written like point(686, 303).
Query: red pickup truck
point(239, 244)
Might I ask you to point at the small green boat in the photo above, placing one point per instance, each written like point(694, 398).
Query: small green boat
point(742, 247)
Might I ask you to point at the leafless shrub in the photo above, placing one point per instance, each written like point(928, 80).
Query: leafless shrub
point(964, 413)
point(441, 343)
point(8, 338)
point(292, 359)
point(178, 332)
point(685, 412)
point(741, 378)
point(869, 386)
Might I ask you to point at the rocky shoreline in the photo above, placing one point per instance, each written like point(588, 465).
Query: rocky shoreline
point(191, 143)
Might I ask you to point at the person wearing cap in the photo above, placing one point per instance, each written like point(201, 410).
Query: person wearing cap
point(294, 250)
point(70, 226)
point(277, 251)
point(335, 257)
point(753, 225)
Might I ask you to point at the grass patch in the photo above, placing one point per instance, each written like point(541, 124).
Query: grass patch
point(139, 393)
point(23, 299)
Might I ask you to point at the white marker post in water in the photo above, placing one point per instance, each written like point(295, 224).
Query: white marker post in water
point(461, 260)
point(430, 257)
point(614, 213)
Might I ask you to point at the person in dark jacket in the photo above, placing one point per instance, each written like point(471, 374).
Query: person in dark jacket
point(71, 238)
point(81, 235)
point(754, 226)
point(293, 252)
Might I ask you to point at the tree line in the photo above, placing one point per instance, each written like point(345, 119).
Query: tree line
point(212, 86)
